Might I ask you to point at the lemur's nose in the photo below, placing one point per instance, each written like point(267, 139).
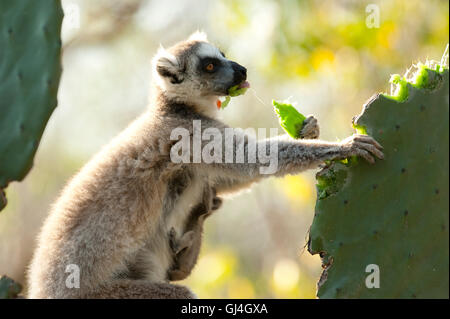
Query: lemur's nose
point(240, 72)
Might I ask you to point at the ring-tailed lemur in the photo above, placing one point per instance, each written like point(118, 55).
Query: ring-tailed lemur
point(114, 219)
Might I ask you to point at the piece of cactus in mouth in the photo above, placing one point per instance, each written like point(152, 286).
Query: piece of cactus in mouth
point(291, 120)
point(30, 69)
point(393, 214)
point(236, 90)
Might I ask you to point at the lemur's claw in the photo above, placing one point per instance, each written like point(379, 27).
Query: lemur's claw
point(310, 128)
point(173, 239)
point(364, 146)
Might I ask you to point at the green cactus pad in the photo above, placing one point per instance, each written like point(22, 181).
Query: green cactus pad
point(290, 119)
point(225, 102)
point(9, 289)
point(29, 77)
point(394, 214)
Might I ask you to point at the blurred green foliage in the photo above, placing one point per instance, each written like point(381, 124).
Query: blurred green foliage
point(319, 52)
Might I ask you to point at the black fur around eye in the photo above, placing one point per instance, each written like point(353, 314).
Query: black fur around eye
point(210, 65)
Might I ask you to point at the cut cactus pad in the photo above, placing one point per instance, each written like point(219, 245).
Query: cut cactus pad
point(235, 91)
point(238, 90)
point(29, 77)
point(389, 221)
point(290, 119)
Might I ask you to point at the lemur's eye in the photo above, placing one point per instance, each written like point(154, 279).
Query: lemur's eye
point(209, 67)
point(210, 64)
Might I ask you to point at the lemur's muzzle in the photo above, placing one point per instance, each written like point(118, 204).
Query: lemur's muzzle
point(239, 73)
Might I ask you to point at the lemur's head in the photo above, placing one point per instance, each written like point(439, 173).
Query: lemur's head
point(196, 72)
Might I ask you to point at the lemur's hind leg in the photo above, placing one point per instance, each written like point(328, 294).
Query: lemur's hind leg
point(140, 289)
point(186, 247)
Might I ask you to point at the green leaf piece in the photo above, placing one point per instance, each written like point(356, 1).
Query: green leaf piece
point(236, 91)
point(290, 119)
point(232, 92)
point(225, 102)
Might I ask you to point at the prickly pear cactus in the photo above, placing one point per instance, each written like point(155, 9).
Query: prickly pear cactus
point(9, 289)
point(30, 68)
point(393, 214)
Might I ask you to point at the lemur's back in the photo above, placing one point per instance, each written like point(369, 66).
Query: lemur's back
point(103, 216)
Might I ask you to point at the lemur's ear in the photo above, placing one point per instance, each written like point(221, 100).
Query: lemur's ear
point(198, 36)
point(167, 66)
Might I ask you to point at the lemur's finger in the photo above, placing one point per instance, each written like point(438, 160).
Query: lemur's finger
point(366, 155)
point(173, 239)
point(369, 140)
point(310, 119)
point(372, 149)
point(310, 125)
point(310, 129)
point(185, 241)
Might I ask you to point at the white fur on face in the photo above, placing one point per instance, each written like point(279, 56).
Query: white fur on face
point(207, 50)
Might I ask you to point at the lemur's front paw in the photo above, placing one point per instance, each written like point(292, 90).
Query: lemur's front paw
point(178, 244)
point(364, 146)
point(310, 129)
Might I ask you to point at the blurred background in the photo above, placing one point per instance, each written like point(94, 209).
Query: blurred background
point(328, 56)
